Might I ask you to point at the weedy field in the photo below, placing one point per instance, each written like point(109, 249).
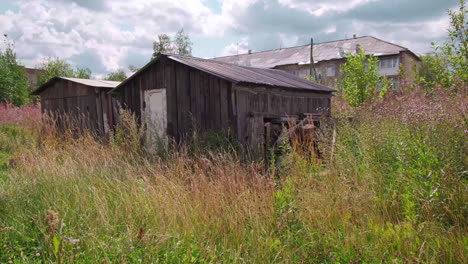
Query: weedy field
point(391, 187)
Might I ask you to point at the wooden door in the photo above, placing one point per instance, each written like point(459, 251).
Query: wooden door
point(155, 116)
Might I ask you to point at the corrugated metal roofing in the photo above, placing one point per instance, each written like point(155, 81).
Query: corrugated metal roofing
point(250, 75)
point(94, 83)
point(322, 52)
point(88, 82)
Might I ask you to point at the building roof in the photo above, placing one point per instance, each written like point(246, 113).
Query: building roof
point(88, 82)
point(322, 52)
point(241, 74)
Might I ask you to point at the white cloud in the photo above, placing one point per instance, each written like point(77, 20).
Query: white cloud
point(113, 29)
point(415, 36)
point(236, 48)
point(321, 7)
point(110, 34)
point(330, 29)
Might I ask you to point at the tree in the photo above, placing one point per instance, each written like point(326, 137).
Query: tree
point(163, 45)
point(433, 70)
point(118, 76)
point(133, 68)
point(83, 73)
point(180, 45)
point(455, 49)
point(14, 85)
point(53, 68)
point(360, 78)
point(57, 67)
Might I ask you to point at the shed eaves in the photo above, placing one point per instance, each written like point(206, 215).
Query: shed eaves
point(94, 83)
point(321, 51)
point(88, 82)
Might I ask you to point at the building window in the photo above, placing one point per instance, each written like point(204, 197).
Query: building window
point(304, 72)
point(330, 71)
point(296, 73)
point(388, 63)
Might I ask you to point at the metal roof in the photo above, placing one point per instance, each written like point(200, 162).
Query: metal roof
point(322, 52)
point(94, 83)
point(241, 74)
point(88, 82)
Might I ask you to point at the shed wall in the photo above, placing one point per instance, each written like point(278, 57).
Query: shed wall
point(193, 97)
point(90, 106)
point(255, 105)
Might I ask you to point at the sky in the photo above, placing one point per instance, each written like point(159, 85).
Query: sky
point(106, 35)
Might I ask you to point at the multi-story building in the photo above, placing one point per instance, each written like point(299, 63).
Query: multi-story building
point(329, 56)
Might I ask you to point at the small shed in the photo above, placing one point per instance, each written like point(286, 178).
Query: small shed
point(79, 100)
point(174, 94)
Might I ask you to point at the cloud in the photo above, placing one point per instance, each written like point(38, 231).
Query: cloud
point(110, 34)
point(238, 48)
point(412, 23)
point(321, 7)
point(103, 33)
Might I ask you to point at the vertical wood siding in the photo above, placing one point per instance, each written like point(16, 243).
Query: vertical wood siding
point(194, 98)
point(255, 104)
point(80, 103)
point(211, 103)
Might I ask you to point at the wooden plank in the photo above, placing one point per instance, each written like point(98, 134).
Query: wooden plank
point(223, 104)
point(242, 111)
point(172, 99)
point(181, 86)
point(212, 104)
point(98, 120)
point(195, 97)
point(205, 101)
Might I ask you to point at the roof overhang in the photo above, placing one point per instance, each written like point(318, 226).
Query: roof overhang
point(174, 57)
point(87, 82)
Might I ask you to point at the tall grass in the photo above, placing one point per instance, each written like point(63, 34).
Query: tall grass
point(393, 191)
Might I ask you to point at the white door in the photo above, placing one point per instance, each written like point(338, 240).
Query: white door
point(155, 116)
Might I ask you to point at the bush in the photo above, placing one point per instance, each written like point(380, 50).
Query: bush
point(14, 86)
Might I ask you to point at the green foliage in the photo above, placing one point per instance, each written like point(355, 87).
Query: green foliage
point(118, 76)
point(449, 64)
point(83, 73)
point(162, 45)
point(361, 81)
point(14, 86)
point(433, 70)
point(60, 68)
point(456, 48)
point(128, 135)
point(12, 139)
point(180, 45)
point(214, 141)
point(133, 68)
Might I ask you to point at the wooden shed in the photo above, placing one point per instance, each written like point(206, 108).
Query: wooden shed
point(173, 94)
point(79, 100)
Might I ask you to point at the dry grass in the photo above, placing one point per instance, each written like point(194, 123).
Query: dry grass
point(394, 192)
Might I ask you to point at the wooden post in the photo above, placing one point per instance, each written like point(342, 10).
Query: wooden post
point(312, 65)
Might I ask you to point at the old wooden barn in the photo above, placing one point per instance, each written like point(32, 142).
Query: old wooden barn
point(173, 94)
point(72, 100)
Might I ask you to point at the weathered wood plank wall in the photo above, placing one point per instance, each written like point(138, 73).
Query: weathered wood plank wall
point(88, 107)
point(194, 98)
point(254, 104)
point(198, 98)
